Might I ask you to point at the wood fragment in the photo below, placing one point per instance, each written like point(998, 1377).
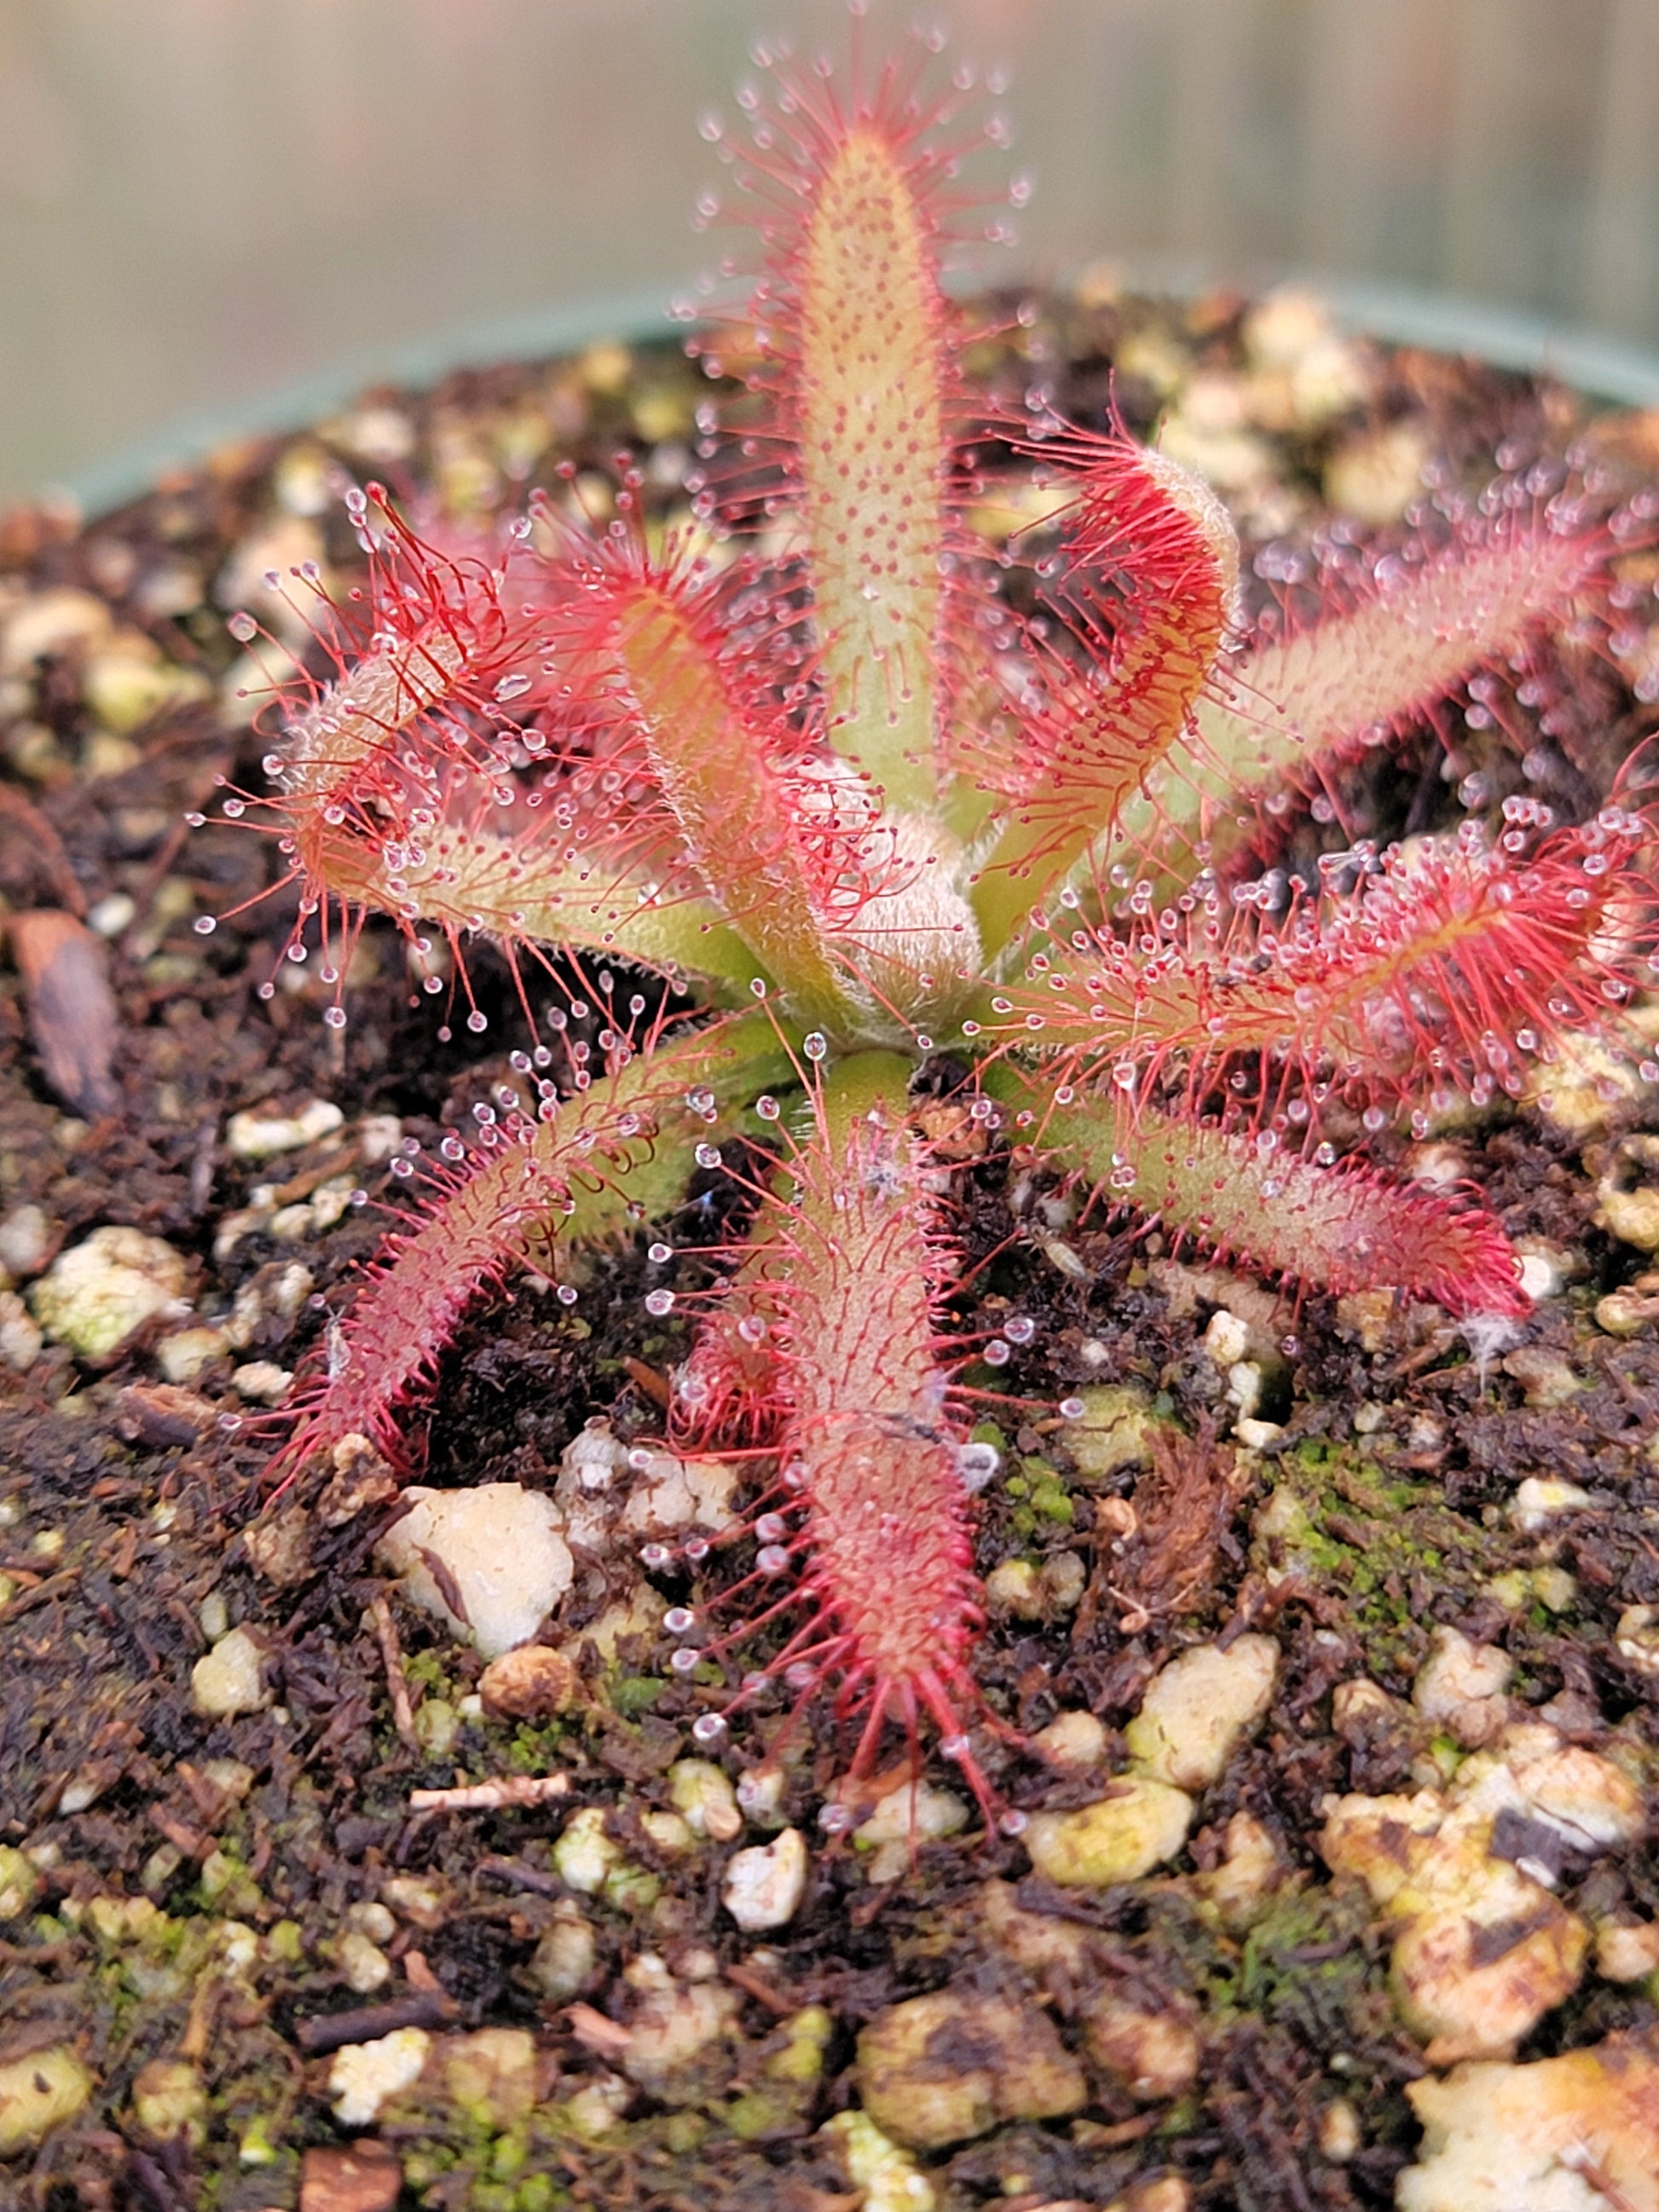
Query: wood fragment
point(72, 1013)
point(515, 1871)
point(51, 861)
point(605, 2039)
point(448, 1588)
point(332, 2031)
point(418, 1974)
point(652, 1381)
point(506, 1792)
point(54, 1586)
point(361, 2177)
point(197, 2040)
point(391, 1652)
point(194, 1843)
point(162, 1414)
point(756, 1986)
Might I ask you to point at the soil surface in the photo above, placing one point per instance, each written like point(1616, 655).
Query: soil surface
point(199, 1909)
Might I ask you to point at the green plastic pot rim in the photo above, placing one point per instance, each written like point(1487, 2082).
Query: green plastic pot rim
point(130, 472)
point(1604, 368)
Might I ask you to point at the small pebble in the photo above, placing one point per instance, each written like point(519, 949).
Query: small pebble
point(1555, 1588)
point(230, 1678)
point(126, 683)
point(1543, 1273)
point(363, 1965)
point(20, 1340)
point(673, 1492)
point(505, 1556)
point(1502, 2138)
point(378, 1136)
point(1072, 1740)
point(1117, 1838)
point(263, 1380)
point(532, 1682)
point(760, 1795)
point(585, 1857)
point(1015, 1586)
point(103, 753)
point(674, 2020)
point(379, 434)
point(169, 2099)
point(1152, 2055)
point(97, 1296)
point(50, 622)
point(566, 1954)
point(182, 1356)
point(1460, 1688)
point(25, 1241)
point(704, 1796)
point(38, 2093)
point(1243, 1886)
point(1546, 1378)
point(598, 2103)
point(1627, 1951)
point(1226, 1338)
point(1591, 1803)
point(765, 1885)
point(942, 2069)
point(1626, 1313)
point(1636, 1637)
point(1543, 1498)
point(1340, 2132)
point(424, 1902)
point(285, 543)
point(1376, 474)
point(1585, 1090)
point(491, 2075)
point(888, 2177)
point(1368, 1317)
point(278, 1546)
point(1115, 1429)
point(364, 2075)
point(172, 587)
point(1197, 1709)
point(1627, 1196)
point(20, 1882)
point(256, 1136)
point(111, 915)
point(1244, 1387)
point(914, 1814)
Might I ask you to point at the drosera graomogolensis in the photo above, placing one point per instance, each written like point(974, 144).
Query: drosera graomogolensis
point(812, 767)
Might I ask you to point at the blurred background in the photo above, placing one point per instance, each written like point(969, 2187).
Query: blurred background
point(217, 214)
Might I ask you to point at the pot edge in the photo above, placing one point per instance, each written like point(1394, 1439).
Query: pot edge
point(1606, 368)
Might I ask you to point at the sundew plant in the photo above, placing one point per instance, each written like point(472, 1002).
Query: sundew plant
point(804, 805)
